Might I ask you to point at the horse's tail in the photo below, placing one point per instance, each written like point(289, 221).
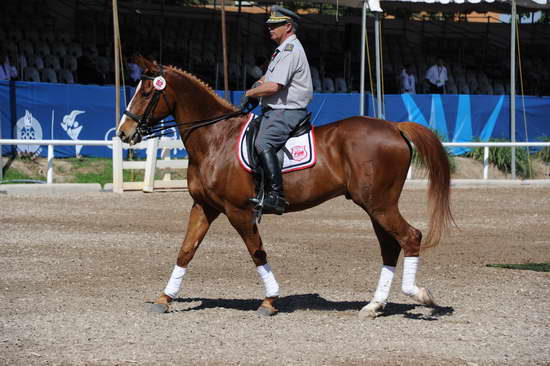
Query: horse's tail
point(435, 159)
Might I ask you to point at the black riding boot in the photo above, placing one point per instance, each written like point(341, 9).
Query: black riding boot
point(274, 201)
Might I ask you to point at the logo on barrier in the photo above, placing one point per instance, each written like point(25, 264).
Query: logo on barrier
point(28, 128)
point(72, 127)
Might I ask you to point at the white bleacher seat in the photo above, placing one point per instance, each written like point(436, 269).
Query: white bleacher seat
point(69, 62)
point(328, 85)
point(26, 47)
point(59, 49)
point(65, 76)
point(31, 74)
point(341, 86)
point(35, 61)
point(42, 48)
point(48, 75)
point(52, 61)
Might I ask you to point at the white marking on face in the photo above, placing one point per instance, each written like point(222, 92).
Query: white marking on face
point(125, 117)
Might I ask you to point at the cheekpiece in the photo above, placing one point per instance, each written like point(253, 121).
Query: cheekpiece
point(281, 15)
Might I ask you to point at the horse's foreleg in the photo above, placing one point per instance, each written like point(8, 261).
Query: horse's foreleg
point(199, 221)
point(242, 222)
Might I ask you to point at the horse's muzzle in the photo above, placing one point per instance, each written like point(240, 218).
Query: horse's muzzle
point(132, 140)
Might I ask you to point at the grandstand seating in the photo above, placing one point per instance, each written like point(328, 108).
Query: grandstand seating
point(31, 74)
point(48, 75)
point(190, 43)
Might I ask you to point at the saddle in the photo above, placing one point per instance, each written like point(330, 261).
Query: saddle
point(303, 127)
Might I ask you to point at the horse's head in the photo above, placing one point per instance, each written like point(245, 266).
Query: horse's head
point(153, 100)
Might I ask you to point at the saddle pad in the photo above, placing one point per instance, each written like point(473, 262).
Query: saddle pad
point(302, 149)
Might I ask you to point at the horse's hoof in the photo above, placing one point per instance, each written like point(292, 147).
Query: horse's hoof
point(424, 297)
point(159, 308)
point(264, 311)
point(372, 310)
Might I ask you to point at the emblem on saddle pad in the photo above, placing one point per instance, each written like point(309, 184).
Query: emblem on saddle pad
point(300, 151)
point(159, 83)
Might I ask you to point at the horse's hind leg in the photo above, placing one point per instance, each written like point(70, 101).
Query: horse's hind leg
point(199, 221)
point(242, 221)
point(393, 232)
point(390, 250)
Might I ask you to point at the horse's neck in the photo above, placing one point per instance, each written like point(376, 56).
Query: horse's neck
point(196, 103)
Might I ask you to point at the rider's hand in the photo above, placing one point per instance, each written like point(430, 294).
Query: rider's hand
point(248, 103)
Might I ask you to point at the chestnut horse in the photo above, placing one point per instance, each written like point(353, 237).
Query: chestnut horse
point(365, 159)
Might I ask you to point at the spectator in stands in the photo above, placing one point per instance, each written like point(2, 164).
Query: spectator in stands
point(408, 81)
point(437, 77)
point(8, 71)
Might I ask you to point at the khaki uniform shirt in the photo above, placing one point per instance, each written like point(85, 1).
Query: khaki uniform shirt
point(289, 67)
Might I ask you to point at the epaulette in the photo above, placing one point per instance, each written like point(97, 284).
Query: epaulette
point(289, 47)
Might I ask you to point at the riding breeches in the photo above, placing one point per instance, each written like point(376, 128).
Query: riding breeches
point(276, 126)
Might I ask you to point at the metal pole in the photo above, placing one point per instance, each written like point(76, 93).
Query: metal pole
point(117, 61)
point(224, 47)
point(513, 87)
point(378, 73)
point(363, 36)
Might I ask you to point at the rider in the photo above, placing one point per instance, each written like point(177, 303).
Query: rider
point(285, 91)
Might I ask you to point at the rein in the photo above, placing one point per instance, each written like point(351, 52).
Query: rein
point(145, 131)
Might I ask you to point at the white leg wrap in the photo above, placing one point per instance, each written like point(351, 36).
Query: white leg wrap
point(270, 283)
point(408, 286)
point(173, 286)
point(384, 284)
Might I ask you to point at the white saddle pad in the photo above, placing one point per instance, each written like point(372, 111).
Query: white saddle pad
point(302, 149)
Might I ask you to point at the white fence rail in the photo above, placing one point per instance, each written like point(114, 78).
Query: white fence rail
point(152, 163)
point(149, 165)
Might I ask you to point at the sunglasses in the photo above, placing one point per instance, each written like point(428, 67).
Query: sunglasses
point(276, 25)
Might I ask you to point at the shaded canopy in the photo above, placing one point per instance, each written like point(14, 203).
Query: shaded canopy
point(502, 6)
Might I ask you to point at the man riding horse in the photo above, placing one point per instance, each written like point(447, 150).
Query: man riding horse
point(285, 91)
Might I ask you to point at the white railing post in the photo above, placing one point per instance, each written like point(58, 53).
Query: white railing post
point(486, 163)
point(150, 165)
point(49, 176)
point(118, 178)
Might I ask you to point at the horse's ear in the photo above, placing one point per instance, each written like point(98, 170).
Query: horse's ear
point(145, 64)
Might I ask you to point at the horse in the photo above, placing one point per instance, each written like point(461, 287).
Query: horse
point(365, 159)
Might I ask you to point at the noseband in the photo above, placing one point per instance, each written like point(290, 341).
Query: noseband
point(145, 130)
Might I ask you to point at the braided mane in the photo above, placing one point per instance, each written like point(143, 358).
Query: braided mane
point(201, 84)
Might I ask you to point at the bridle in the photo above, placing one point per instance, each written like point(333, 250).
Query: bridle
point(146, 130)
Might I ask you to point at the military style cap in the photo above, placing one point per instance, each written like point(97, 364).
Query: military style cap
point(281, 15)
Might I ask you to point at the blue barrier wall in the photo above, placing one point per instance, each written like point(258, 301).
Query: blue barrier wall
point(86, 112)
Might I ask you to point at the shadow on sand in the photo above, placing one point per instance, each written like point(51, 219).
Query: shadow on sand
point(292, 303)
